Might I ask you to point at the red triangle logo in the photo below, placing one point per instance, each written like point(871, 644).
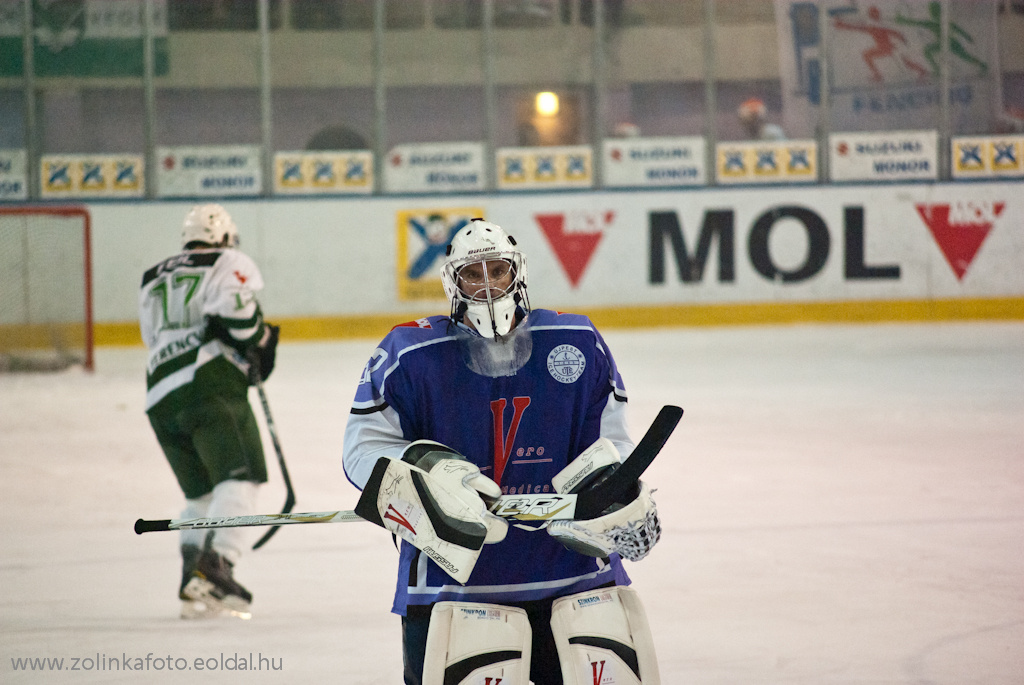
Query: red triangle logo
point(959, 229)
point(574, 248)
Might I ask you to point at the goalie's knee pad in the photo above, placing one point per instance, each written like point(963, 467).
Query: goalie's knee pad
point(477, 643)
point(603, 636)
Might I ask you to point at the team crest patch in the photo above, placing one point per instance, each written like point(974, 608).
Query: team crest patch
point(566, 363)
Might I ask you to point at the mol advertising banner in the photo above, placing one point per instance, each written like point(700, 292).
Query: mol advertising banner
point(209, 171)
point(893, 242)
point(890, 156)
point(875, 244)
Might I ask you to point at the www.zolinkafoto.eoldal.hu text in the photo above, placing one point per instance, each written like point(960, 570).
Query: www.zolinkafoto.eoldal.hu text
point(151, 662)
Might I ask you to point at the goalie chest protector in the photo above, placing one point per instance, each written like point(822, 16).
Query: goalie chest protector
point(520, 430)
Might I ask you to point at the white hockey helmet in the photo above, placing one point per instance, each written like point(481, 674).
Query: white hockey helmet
point(484, 277)
point(209, 224)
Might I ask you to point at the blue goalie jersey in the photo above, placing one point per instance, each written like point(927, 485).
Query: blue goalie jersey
point(521, 418)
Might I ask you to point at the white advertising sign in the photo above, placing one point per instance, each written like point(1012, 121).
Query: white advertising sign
point(987, 156)
point(791, 161)
point(212, 171)
point(654, 162)
point(536, 168)
point(435, 167)
point(890, 156)
point(13, 175)
point(109, 176)
point(328, 173)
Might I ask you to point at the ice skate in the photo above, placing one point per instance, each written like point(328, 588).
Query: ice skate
point(212, 585)
point(191, 608)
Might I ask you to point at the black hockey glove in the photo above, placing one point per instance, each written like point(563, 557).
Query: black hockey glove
point(217, 329)
point(263, 355)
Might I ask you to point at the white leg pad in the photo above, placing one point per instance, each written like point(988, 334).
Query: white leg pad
point(473, 644)
point(603, 637)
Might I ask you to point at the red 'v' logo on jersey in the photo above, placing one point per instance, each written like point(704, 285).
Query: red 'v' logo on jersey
point(503, 441)
point(959, 229)
point(242, 278)
point(574, 237)
point(598, 670)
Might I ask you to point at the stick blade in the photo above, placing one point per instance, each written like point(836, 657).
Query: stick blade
point(590, 504)
point(650, 445)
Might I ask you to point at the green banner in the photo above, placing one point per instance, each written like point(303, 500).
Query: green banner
point(86, 38)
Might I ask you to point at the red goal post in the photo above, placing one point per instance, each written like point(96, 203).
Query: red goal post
point(45, 287)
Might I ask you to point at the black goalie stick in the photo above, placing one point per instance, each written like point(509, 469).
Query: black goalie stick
point(289, 500)
point(608, 491)
point(533, 508)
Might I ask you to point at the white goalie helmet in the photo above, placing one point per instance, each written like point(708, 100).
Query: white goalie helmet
point(210, 224)
point(484, 277)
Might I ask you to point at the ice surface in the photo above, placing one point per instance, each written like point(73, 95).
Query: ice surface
point(841, 505)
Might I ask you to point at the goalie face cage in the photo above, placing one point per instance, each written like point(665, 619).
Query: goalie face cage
point(45, 288)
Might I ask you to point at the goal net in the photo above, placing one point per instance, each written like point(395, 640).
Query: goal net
point(45, 288)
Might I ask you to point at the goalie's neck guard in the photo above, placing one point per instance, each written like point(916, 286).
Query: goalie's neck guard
point(496, 357)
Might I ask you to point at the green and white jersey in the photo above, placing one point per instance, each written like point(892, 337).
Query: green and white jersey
point(177, 299)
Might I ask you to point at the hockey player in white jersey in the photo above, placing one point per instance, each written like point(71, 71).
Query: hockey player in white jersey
point(499, 398)
point(206, 337)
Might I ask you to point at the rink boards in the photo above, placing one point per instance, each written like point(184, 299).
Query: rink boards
point(348, 267)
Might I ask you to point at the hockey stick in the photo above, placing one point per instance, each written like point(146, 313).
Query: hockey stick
point(289, 500)
point(144, 526)
point(606, 492)
point(532, 507)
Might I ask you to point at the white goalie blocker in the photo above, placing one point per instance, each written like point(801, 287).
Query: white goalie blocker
point(470, 644)
point(432, 499)
point(603, 636)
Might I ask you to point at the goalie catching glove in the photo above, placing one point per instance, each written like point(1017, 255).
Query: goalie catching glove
point(433, 498)
point(629, 529)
